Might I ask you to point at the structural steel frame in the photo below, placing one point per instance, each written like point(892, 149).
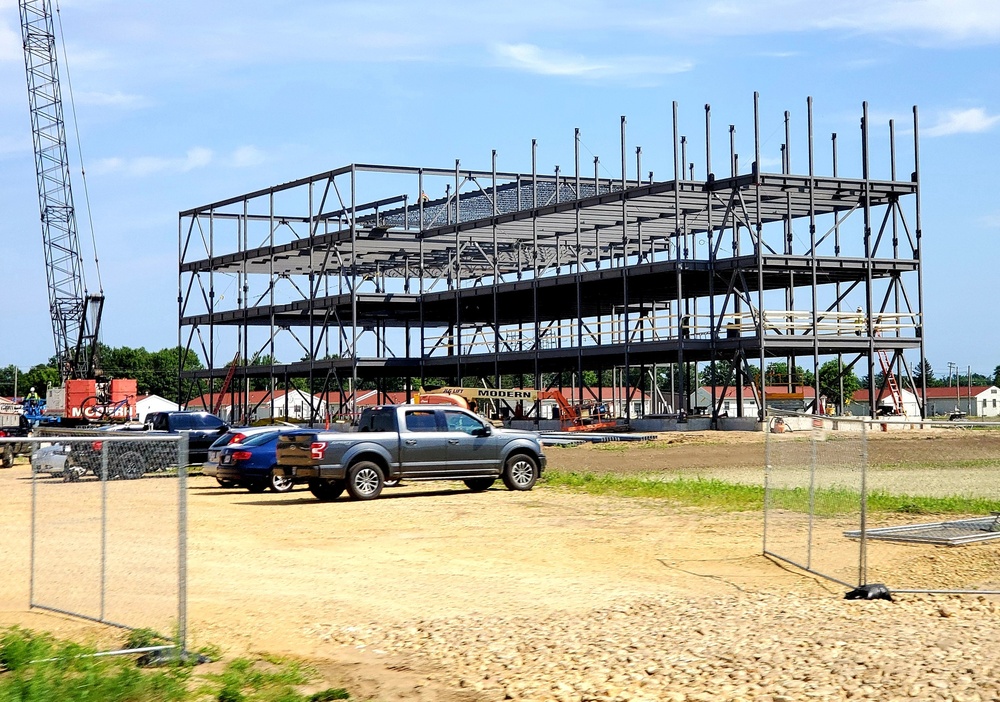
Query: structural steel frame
point(530, 273)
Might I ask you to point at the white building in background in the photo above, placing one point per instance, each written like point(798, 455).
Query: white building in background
point(976, 401)
point(144, 404)
point(293, 405)
point(861, 406)
point(777, 396)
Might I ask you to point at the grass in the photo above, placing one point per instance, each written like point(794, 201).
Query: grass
point(37, 667)
point(622, 446)
point(720, 495)
point(937, 464)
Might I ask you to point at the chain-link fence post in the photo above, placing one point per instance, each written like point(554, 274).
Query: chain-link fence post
point(34, 536)
point(104, 528)
point(182, 463)
point(863, 519)
point(813, 439)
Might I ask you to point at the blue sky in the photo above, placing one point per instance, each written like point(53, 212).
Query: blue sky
point(183, 103)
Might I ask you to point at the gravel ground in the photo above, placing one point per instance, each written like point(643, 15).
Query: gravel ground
point(748, 646)
point(551, 595)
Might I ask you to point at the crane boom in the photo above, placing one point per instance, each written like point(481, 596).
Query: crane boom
point(76, 315)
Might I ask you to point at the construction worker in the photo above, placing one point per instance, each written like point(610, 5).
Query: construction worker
point(859, 322)
point(31, 399)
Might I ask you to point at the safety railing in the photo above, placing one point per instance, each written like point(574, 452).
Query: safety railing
point(651, 325)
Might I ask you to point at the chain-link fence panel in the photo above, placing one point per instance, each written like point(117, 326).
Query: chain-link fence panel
point(109, 529)
point(909, 504)
point(815, 481)
point(933, 498)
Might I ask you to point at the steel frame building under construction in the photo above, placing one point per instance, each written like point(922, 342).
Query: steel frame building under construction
point(369, 278)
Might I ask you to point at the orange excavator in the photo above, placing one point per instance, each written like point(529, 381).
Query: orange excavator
point(572, 418)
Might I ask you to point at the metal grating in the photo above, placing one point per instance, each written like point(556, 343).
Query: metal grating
point(956, 533)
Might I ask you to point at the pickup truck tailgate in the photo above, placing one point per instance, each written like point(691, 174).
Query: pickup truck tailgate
point(295, 451)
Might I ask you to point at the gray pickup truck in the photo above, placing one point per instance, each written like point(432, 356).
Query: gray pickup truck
point(411, 442)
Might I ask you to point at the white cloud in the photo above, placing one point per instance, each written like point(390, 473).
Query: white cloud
point(910, 21)
point(247, 156)
point(968, 121)
point(990, 221)
point(780, 54)
point(195, 158)
point(115, 99)
point(534, 59)
point(15, 144)
point(10, 43)
point(769, 163)
point(948, 21)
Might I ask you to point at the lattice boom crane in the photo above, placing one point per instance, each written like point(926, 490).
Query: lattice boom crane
point(76, 314)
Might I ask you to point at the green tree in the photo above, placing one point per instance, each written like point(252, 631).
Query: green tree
point(164, 365)
point(724, 374)
point(831, 374)
point(980, 379)
point(777, 374)
point(127, 362)
point(924, 370)
point(7, 375)
point(41, 377)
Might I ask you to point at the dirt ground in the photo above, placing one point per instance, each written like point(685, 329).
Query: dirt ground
point(265, 571)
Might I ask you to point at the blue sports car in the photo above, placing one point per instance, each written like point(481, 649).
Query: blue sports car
point(249, 464)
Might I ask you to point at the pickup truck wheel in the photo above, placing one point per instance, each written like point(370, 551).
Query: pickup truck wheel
point(479, 484)
point(225, 483)
point(256, 486)
point(391, 483)
point(520, 472)
point(326, 490)
point(8, 455)
point(365, 481)
point(279, 483)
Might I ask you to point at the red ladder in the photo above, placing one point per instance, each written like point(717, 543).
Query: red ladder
point(890, 380)
point(225, 385)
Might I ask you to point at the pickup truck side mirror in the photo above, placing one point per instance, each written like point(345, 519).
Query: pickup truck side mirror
point(485, 431)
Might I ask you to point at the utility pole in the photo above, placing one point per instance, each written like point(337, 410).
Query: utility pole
point(953, 370)
point(968, 404)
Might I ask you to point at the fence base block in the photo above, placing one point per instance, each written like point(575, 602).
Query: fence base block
point(872, 591)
